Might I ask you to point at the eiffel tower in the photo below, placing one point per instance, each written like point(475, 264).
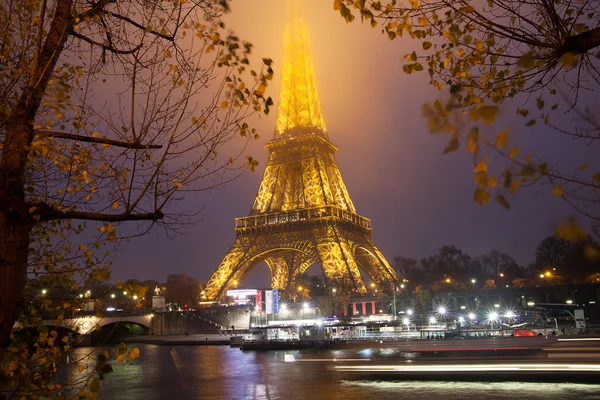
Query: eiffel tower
point(302, 214)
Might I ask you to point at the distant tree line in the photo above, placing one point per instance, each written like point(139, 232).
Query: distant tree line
point(557, 261)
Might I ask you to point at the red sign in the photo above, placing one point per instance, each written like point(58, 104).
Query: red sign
point(259, 307)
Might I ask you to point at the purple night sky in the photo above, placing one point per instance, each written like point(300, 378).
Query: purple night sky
point(417, 199)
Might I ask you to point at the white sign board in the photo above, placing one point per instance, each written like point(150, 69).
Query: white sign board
point(579, 319)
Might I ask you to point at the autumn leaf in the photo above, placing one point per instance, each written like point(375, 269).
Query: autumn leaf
point(452, 146)
point(135, 353)
point(570, 230)
point(481, 167)
point(488, 114)
point(481, 197)
point(502, 139)
point(558, 191)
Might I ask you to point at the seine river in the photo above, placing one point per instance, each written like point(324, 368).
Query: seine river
point(221, 372)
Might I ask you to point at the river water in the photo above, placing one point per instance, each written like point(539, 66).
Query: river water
point(221, 372)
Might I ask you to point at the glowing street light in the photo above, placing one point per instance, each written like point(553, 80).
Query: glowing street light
point(473, 281)
point(409, 312)
point(493, 317)
point(472, 316)
point(432, 320)
point(448, 280)
point(44, 291)
point(112, 296)
point(442, 311)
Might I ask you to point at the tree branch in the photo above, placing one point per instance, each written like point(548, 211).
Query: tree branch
point(89, 139)
point(46, 213)
point(583, 42)
point(137, 25)
point(105, 47)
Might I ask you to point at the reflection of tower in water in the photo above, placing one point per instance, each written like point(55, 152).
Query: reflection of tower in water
point(302, 213)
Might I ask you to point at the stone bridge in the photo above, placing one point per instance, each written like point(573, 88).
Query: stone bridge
point(84, 324)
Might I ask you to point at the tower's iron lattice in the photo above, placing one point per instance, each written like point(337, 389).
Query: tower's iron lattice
point(302, 214)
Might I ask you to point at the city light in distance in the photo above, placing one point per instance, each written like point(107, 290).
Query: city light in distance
point(432, 320)
point(409, 312)
point(472, 316)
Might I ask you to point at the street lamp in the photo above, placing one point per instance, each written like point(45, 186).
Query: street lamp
point(492, 317)
point(442, 311)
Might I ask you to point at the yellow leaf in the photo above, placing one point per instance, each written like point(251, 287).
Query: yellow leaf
point(502, 139)
point(592, 253)
point(488, 114)
point(491, 182)
point(583, 167)
point(80, 368)
point(135, 353)
point(480, 178)
point(569, 59)
point(481, 197)
point(224, 104)
point(167, 53)
point(558, 191)
point(472, 140)
point(570, 230)
point(481, 167)
point(513, 152)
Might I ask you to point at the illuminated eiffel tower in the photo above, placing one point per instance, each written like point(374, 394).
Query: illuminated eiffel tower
point(302, 214)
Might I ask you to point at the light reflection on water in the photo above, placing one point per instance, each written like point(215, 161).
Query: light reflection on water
point(221, 372)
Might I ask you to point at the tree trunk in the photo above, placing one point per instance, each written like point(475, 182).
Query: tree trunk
point(15, 220)
point(583, 42)
point(14, 244)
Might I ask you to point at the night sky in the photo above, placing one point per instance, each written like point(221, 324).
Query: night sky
point(417, 199)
